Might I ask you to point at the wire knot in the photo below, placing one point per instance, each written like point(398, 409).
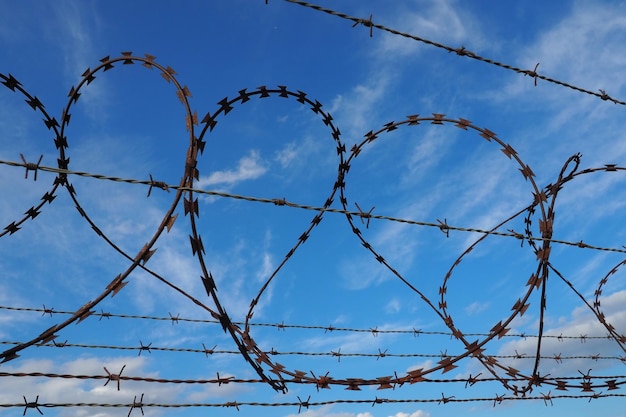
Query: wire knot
point(279, 201)
point(136, 404)
point(34, 404)
point(365, 22)
point(471, 380)
point(443, 226)
point(533, 73)
point(143, 347)
point(378, 401)
point(208, 352)
point(365, 215)
point(381, 354)
point(604, 96)
point(547, 397)
point(304, 404)
point(462, 51)
point(114, 377)
point(444, 399)
point(30, 166)
point(158, 184)
point(322, 382)
point(47, 311)
point(174, 318)
point(232, 404)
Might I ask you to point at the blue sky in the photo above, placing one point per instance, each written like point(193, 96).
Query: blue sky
point(128, 123)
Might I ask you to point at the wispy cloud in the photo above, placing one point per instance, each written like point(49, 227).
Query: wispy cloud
point(357, 108)
point(326, 411)
point(583, 49)
point(579, 323)
point(476, 308)
point(418, 413)
point(443, 21)
point(576, 45)
point(249, 167)
point(393, 306)
point(73, 29)
point(287, 155)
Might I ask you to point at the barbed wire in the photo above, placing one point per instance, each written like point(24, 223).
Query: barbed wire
point(335, 354)
point(282, 326)
point(462, 52)
point(445, 227)
point(544, 200)
point(520, 383)
point(546, 398)
point(225, 380)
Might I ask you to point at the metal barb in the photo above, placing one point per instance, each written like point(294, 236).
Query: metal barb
point(114, 377)
point(136, 404)
point(444, 227)
point(34, 404)
point(365, 22)
point(158, 184)
point(304, 404)
point(144, 348)
point(47, 311)
point(174, 319)
point(365, 215)
point(30, 166)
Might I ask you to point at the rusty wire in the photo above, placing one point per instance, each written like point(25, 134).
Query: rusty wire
point(335, 354)
point(474, 348)
point(519, 384)
point(221, 380)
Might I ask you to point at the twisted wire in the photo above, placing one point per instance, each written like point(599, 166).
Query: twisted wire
point(462, 52)
point(282, 326)
point(283, 202)
point(306, 404)
point(520, 384)
point(224, 380)
point(336, 354)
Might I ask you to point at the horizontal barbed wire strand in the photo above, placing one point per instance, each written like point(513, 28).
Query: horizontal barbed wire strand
point(335, 354)
point(283, 202)
point(282, 326)
point(224, 380)
point(443, 399)
point(305, 404)
point(459, 51)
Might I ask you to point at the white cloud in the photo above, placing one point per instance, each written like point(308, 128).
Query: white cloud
point(442, 20)
point(325, 411)
point(250, 167)
point(426, 154)
point(579, 323)
point(266, 268)
point(584, 49)
point(286, 155)
point(72, 28)
point(359, 109)
point(393, 306)
point(580, 42)
point(57, 390)
point(475, 308)
point(418, 413)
